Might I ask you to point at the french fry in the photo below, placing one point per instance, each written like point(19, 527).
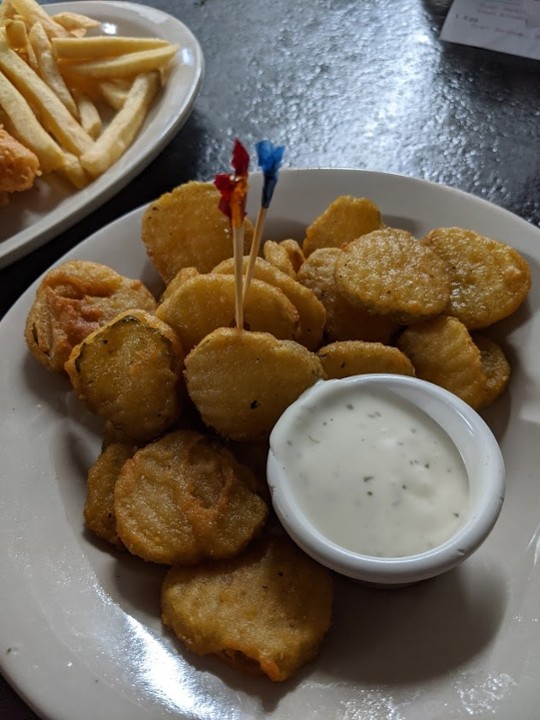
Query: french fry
point(88, 113)
point(21, 122)
point(104, 46)
point(16, 34)
point(48, 69)
point(51, 111)
point(32, 12)
point(72, 169)
point(115, 92)
point(75, 23)
point(127, 65)
point(123, 128)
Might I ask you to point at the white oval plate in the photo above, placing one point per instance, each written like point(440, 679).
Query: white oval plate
point(33, 217)
point(80, 635)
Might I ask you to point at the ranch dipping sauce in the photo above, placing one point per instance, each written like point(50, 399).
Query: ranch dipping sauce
point(374, 473)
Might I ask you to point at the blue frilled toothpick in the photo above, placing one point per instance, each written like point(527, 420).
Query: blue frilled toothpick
point(269, 159)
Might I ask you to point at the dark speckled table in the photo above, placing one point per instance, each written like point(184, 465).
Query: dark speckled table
point(341, 83)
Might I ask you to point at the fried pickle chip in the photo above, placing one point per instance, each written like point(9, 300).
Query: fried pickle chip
point(312, 312)
point(207, 301)
point(183, 498)
point(181, 276)
point(443, 352)
point(265, 612)
point(345, 219)
point(73, 300)
point(388, 272)
point(241, 382)
point(343, 320)
point(102, 476)
point(130, 373)
point(356, 357)
point(489, 280)
point(185, 228)
point(286, 255)
point(496, 368)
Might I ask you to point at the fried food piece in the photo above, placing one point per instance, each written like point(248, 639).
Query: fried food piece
point(356, 357)
point(255, 457)
point(185, 228)
point(312, 312)
point(130, 373)
point(185, 497)
point(241, 382)
point(388, 272)
point(207, 301)
point(181, 276)
point(265, 612)
point(489, 280)
point(286, 255)
point(73, 300)
point(443, 352)
point(496, 368)
point(19, 167)
point(343, 320)
point(344, 220)
point(102, 476)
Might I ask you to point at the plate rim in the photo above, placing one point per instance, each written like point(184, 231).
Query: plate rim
point(24, 241)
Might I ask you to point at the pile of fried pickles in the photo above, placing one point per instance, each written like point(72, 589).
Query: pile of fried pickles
point(188, 400)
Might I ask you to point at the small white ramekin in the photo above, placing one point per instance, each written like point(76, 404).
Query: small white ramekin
point(471, 436)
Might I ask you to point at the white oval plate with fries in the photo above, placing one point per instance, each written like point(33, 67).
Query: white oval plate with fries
point(34, 216)
point(80, 634)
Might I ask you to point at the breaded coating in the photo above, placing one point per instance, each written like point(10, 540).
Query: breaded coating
point(266, 612)
point(286, 255)
point(73, 300)
point(344, 321)
point(345, 219)
point(495, 366)
point(19, 166)
point(241, 382)
point(102, 477)
point(130, 373)
point(489, 280)
point(312, 312)
point(205, 302)
point(443, 352)
point(184, 498)
point(179, 279)
point(356, 357)
point(185, 228)
point(388, 272)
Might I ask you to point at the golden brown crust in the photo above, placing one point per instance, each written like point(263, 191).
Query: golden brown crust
point(356, 357)
point(19, 166)
point(130, 373)
point(73, 300)
point(489, 280)
point(205, 302)
point(102, 476)
point(185, 228)
point(345, 219)
point(265, 612)
point(443, 352)
point(344, 321)
point(184, 498)
point(388, 272)
point(241, 382)
point(311, 310)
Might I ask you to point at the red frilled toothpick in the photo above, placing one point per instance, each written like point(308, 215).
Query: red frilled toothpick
point(233, 189)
